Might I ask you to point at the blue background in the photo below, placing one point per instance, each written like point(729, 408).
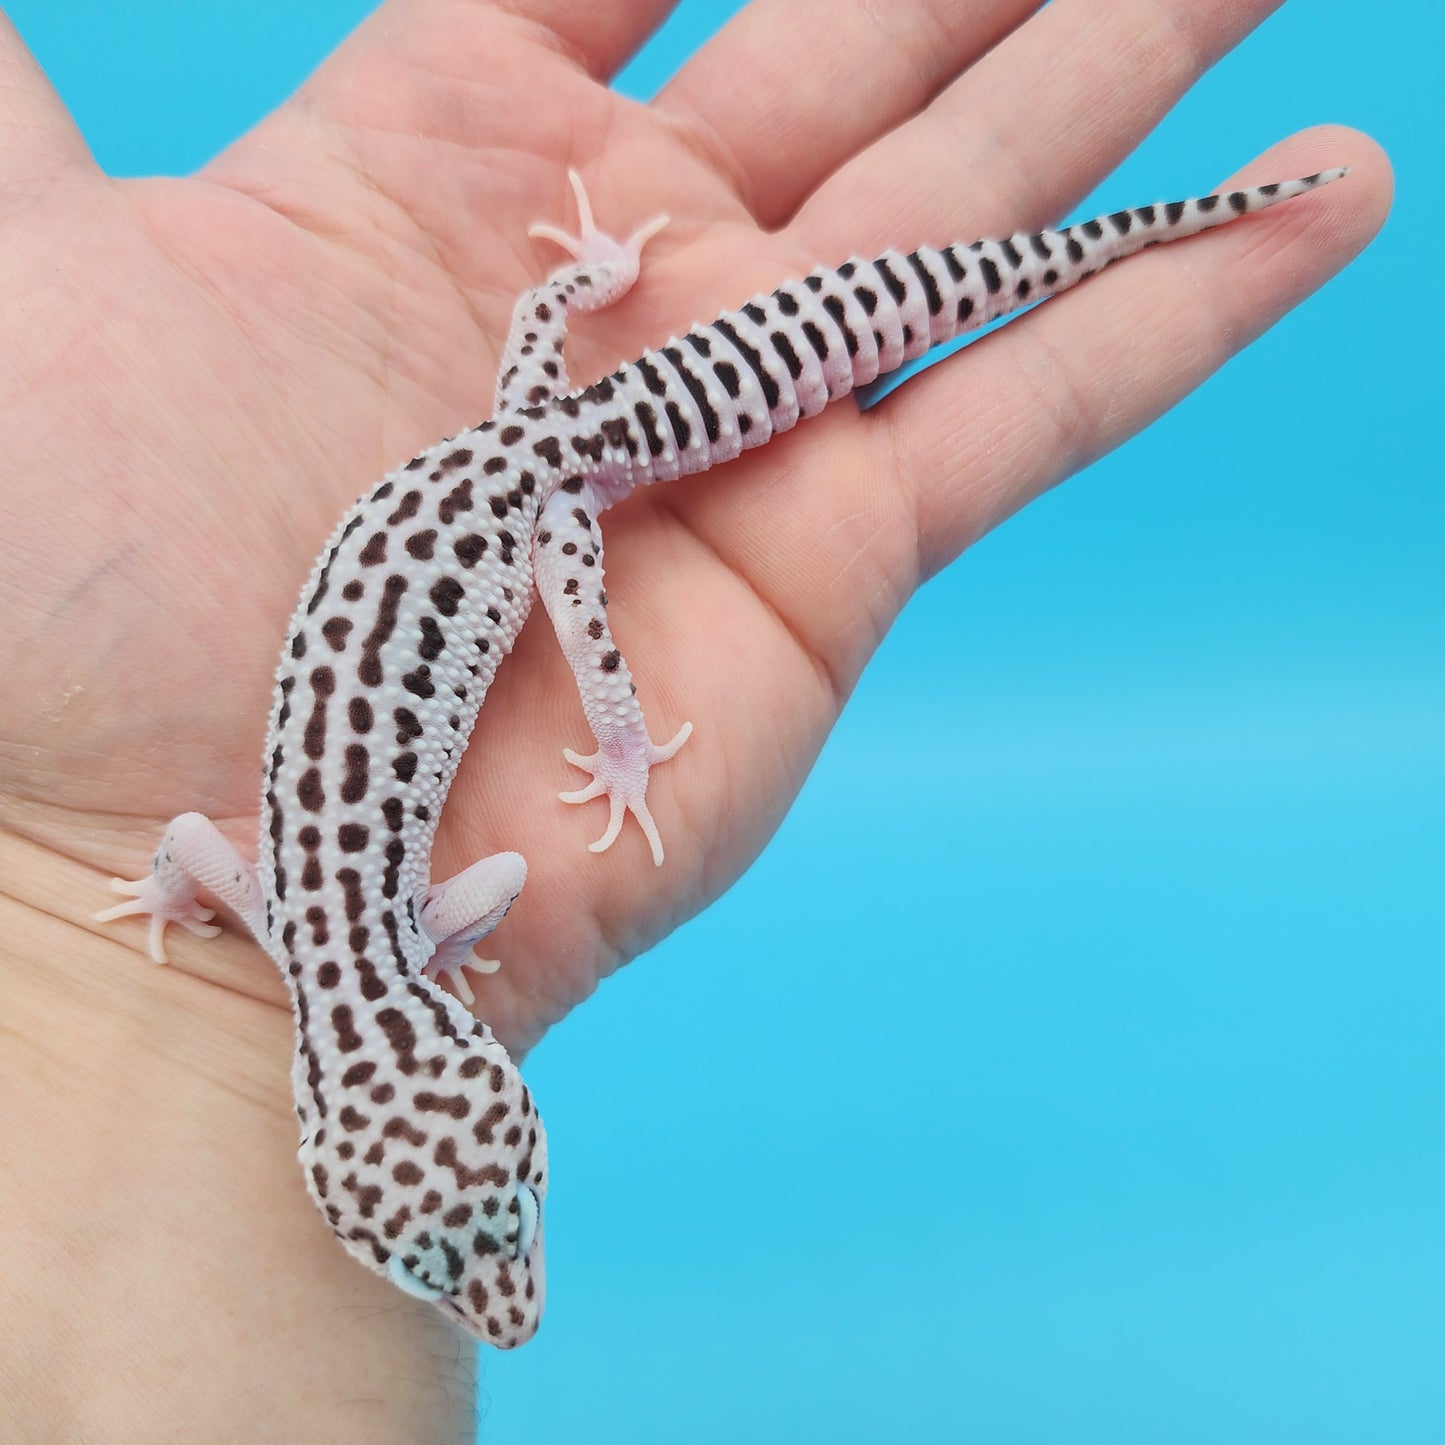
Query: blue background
point(1069, 1069)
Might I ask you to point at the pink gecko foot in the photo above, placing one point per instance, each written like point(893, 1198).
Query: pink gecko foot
point(591, 247)
point(192, 855)
point(459, 912)
point(622, 777)
point(163, 907)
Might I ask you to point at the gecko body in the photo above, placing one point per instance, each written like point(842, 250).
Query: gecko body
point(420, 1143)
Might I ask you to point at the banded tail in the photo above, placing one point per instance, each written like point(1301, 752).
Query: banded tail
point(731, 385)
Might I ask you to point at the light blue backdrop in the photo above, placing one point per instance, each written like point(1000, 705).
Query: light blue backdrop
point(1082, 1028)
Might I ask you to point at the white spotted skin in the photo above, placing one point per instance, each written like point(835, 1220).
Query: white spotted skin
point(420, 1142)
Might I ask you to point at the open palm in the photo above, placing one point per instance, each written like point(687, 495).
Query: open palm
point(201, 374)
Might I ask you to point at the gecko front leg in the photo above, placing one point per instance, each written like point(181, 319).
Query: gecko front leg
point(192, 855)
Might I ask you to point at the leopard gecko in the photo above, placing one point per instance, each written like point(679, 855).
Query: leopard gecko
point(420, 1144)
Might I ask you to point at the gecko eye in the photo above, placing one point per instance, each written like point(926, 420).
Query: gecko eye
point(528, 1213)
point(405, 1280)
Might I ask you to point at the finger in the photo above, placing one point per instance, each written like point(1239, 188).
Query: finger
point(787, 91)
point(1099, 76)
point(38, 139)
point(988, 430)
point(601, 36)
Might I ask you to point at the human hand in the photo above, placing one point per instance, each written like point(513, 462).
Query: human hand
point(205, 372)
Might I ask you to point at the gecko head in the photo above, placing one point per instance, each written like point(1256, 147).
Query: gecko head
point(490, 1278)
point(439, 1184)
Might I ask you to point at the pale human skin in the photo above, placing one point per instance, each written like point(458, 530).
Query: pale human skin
point(201, 374)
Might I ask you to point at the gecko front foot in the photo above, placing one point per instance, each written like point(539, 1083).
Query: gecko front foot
point(622, 777)
point(192, 855)
point(592, 247)
point(162, 907)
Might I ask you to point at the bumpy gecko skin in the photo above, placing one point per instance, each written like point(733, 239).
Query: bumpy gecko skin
point(420, 1143)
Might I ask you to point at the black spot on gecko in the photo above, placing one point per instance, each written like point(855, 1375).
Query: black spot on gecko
point(406, 509)
point(956, 269)
point(835, 308)
point(336, 630)
point(727, 373)
point(816, 340)
point(896, 289)
point(549, 450)
point(991, 278)
point(309, 792)
point(446, 595)
point(344, 1022)
point(610, 661)
point(469, 549)
point(419, 681)
point(316, 917)
point(404, 766)
point(368, 669)
point(357, 773)
point(784, 347)
point(698, 392)
point(1092, 229)
point(930, 287)
point(432, 642)
point(619, 435)
point(355, 902)
point(353, 837)
point(648, 420)
point(323, 684)
point(680, 428)
point(1173, 211)
point(459, 458)
point(402, 1038)
point(459, 499)
point(754, 359)
point(651, 376)
point(421, 545)
point(359, 714)
point(407, 725)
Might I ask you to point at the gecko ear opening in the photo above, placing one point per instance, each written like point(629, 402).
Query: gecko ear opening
point(529, 1211)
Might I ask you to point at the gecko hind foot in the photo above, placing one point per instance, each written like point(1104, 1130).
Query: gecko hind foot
point(622, 779)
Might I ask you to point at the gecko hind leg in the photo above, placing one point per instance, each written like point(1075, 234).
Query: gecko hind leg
point(192, 855)
point(457, 913)
point(567, 566)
